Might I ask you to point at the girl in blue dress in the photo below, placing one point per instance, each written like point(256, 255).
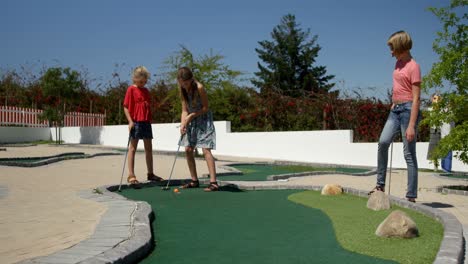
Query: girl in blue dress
point(197, 127)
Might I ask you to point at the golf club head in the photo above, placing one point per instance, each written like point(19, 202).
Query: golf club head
point(165, 188)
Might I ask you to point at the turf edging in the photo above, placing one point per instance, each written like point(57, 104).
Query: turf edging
point(445, 189)
point(51, 159)
point(123, 234)
point(452, 246)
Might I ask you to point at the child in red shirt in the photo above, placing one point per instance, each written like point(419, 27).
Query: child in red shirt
point(137, 110)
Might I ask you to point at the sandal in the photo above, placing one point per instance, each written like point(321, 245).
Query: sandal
point(191, 184)
point(132, 181)
point(377, 188)
point(153, 177)
point(213, 187)
point(411, 200)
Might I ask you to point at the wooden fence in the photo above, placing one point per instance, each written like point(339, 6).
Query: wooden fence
point(28, 117)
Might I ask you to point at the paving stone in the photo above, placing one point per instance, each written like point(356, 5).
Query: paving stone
point(3, 191)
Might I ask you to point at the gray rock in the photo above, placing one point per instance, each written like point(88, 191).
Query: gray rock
point(397, 224)
point(378, 201)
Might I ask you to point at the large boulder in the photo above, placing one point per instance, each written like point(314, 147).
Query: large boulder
point(332, 189)
point(378, 201)
point(397, 224)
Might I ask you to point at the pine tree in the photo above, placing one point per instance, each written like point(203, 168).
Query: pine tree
point(288, 60)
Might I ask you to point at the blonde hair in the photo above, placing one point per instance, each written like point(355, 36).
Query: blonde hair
point(400, 41)
point(140, 72)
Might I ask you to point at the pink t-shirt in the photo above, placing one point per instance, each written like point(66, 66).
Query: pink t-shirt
point(404, 76)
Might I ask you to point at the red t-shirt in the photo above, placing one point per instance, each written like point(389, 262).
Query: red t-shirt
point(137, 101)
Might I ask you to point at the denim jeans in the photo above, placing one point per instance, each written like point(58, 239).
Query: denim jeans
point(398, 119)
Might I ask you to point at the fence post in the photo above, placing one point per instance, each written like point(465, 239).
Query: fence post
point(23, 121)
point(17, 115)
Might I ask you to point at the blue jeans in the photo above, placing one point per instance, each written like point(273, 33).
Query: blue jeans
point(398, 120)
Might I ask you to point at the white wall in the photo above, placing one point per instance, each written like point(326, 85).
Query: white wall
point(333, 146)
point(23, 134)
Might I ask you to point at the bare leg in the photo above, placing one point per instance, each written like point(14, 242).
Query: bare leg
point(149, 155)
point(191, 163)
point(131, 156)
point(211, 164)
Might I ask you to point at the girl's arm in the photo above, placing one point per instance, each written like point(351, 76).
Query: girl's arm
point(410, 131)
point(129, 119)
point(183, 117)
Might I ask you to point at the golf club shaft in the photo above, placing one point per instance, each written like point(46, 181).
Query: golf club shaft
point(125, 161)
point(390, 176)
point(175, 159)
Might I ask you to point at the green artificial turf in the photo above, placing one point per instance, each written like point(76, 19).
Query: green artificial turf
point(255, 172)
point(355, 227)
point(458, 187)
point(233, 226)
point(459, 175)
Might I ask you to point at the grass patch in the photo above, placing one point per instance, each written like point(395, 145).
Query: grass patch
point(45, 142)
point(97, 190)
point(355, 227)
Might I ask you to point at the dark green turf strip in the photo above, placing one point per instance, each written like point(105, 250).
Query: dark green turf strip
point(255, 172)
point(240, 227)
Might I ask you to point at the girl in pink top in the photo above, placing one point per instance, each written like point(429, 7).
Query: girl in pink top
point(404, 114)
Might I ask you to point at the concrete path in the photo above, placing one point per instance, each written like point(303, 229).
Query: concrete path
point(43, 212)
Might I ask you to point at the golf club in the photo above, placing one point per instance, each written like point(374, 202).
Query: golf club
point(125, 161)
point(173, 164)
point(390, 176)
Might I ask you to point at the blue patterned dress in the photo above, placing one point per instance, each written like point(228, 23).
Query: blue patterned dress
point(200, 131)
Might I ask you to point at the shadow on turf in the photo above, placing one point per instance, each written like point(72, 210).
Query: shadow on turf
point(438, 205)
point(174, 184)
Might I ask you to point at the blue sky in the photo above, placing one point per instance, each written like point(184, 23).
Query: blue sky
point(96, 35)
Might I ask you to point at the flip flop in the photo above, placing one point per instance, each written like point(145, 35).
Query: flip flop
point(133, 182)
point(154, 178)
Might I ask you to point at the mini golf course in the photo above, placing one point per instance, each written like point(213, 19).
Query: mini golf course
point(280, 226)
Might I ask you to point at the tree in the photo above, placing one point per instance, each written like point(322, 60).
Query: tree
point(63, 85)
point(218, 79)
point(11, 89)
point(288, 60)
point(451, 69)
point(208, 69)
